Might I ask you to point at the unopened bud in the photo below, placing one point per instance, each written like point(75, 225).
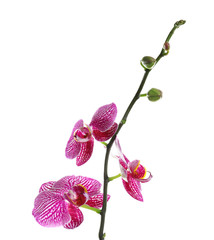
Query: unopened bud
point(179, 23)
point(166, 46)
point(154, 94)
point(148, 62)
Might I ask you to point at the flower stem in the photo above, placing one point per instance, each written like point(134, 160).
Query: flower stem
point(143, 95)
point(114, 177)
point(122, 122)
point(104, 143)
point(91, 208)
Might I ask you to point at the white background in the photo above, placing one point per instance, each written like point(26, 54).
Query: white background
point(59, 62)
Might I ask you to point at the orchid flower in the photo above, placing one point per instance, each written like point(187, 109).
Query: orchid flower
point(102, 127)
point(58, 202)
point(133, 174)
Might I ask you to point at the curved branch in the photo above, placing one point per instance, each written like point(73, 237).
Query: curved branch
point(122, 122)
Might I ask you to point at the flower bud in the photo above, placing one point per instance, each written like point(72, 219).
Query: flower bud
point(154, 94)
point(148, 62)
point(166, 46)
point(179, 23)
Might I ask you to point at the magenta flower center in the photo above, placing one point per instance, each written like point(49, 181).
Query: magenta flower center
point(82, 134)
point(137, 170)
point(78, 195)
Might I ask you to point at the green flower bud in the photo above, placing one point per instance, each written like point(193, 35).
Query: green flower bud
point(179, 23)
point(148, 62)
point(154, 94)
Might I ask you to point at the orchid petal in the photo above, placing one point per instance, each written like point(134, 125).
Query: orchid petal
point(117, 143)
point(97, 200)
point(76, 217)
point(123, 168)
point(126, 159)
point(46, 186)
point(73, 148)
point(50, 209)
point(119, 149)
point(123, 164)
point(85, 152)
point(92, 185)
point(64, 185)
point(104, 136)
point(133, 188)
point(104, 117)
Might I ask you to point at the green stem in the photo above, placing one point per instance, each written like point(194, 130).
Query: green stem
point(91, 208)
point(122, 122)
point(163, 52)
point(143, 95)
point(104, 143)
point(114, 177)
point(108, 149)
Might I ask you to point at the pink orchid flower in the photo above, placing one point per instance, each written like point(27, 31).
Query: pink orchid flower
point(102, 127)
point(133, 174)
point(58, 202)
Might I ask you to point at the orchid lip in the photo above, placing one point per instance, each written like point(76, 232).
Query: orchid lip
point(144, 174)
point(146, 179)
point(138, 173)
point(78, 195)
point(137, 166)
point(83, 134)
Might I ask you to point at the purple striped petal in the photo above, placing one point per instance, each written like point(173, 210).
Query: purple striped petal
point(119, 149)
point(123, 168)
point(133, 188)
point(64, 185)
point(46, 186)
point(73, 147)
point(126, 159)
point(104, 136)
point(50, 210)
point(75, 215)
point(123, 164)
point(85, 152)
point(92, 185)
point(97, 201)
point(104, 117)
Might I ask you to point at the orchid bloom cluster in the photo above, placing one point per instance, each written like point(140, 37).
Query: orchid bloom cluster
point(58, 202)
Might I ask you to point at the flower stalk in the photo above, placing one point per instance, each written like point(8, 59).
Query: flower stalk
point(114, 177)
point(91, 208)
point(122, 122)
point(104, 143)
point(143, 95)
